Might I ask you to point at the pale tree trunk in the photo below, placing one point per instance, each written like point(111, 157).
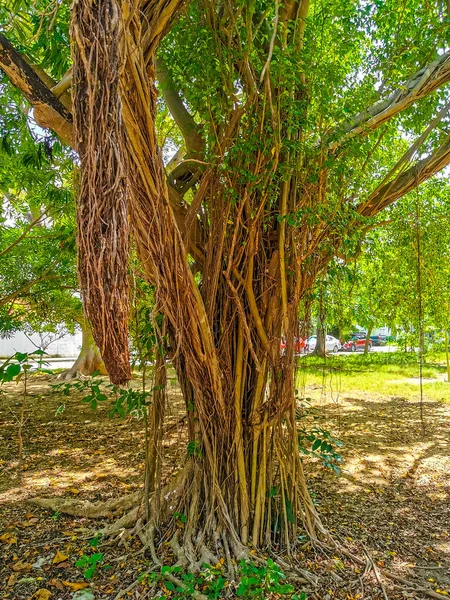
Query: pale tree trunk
point(89, 360)
point(320, 349)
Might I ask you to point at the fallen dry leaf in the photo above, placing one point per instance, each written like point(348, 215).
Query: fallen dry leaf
point(12, 579)
point(8, 538)
point(42, 594)
point(59, 558)
point(56, 583)
point(30, 522)
point(21, 567)
point(76, 585)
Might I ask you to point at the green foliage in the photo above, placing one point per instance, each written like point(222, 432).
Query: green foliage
point(259, 581)
point(10, 370)
point(89, 387)
point(89, 564)
point(125, 401)
point(315, 441)
point(194, 448)
point(255, 581)
point(130, 401)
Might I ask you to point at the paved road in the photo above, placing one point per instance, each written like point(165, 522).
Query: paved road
point(375, 349)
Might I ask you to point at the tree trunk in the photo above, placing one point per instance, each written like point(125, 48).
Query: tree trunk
point(447, 357)
point(320, 349)
point(243, 478)
point(89, 360)
point(368, 334)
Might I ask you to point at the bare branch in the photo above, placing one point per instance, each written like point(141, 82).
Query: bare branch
point(49, 112)
point(421, 84)
point(26, 231)
point(25, 288)
point(405, 182)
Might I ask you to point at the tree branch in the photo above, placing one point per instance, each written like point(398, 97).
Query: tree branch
point(182, 117)
point(13, 295)
point(405, 182)
point(421, 84)
point(49, 112)
point(23, 234)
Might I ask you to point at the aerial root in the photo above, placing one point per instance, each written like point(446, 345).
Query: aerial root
point(85, 508)
point(369, 564)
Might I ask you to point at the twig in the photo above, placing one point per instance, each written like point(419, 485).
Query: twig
point(390, 575)
point(377, 575)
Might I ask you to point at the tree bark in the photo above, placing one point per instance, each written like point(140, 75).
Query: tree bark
point(320, 349)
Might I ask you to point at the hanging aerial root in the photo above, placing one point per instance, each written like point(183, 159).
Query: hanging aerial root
point(102, 220)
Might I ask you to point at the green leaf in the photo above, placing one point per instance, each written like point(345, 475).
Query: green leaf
point(12, 371)
point(316, 444)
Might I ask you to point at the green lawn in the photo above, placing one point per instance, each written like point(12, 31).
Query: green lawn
point(391, 374)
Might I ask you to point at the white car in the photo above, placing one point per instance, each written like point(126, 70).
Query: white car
point(332, 344)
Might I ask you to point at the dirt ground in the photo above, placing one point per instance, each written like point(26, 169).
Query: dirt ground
point(391, 501)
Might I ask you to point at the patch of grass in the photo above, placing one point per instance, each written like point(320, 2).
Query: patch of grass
point(387, 374)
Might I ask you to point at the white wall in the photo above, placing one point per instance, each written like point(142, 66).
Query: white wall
point(68, 346)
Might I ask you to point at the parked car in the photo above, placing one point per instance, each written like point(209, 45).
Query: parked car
point(357, 342)
point(332, 344)
point(299, 345)
point(378, 340)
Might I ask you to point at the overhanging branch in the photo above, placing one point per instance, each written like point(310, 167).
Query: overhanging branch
point(49, 112)
point(421, 84)
point(405, 182)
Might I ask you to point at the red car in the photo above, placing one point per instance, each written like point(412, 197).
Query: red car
point(357, 342)
point(299, 345)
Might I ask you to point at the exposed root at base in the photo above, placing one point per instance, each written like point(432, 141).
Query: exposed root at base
point(85, 508)
point(370, 564)
point(192, 551)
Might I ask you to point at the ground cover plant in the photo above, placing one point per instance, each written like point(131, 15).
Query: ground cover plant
point(227, 157)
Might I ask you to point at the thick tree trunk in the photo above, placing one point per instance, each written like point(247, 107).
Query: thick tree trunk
point(89, 360)
point(243, 478)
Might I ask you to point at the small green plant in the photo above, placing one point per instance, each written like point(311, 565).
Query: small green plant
point(316, 441)
point(256, 581)
point(56, 515)
point(194, 448)
point(90, 387)
point(125, 401)
point(129, 401)
point(89, 564)
point(259, 581)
